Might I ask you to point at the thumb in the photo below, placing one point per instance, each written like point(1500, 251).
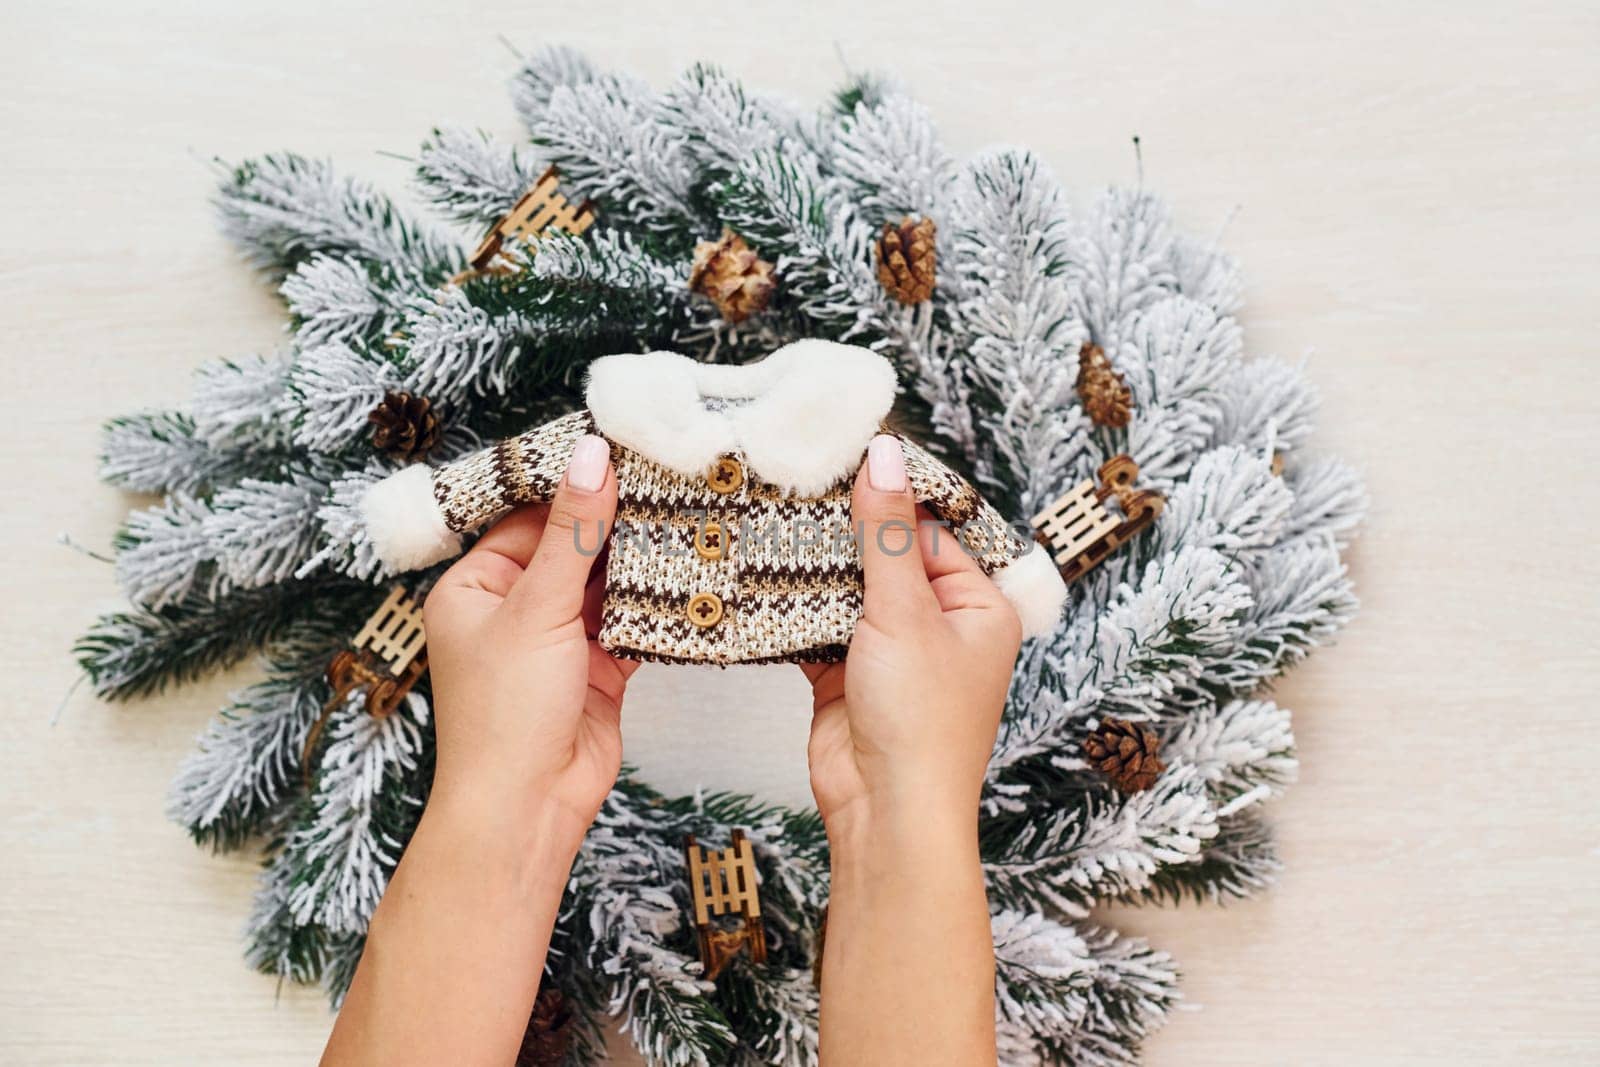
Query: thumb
point(886, 510)
point(552, 588)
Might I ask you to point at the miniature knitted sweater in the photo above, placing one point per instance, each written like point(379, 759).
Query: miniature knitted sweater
point(733, 541)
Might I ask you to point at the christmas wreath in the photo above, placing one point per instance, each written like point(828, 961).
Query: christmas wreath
point(1034, 345)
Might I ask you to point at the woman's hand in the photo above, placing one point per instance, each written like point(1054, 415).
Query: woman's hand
point(527, 708)
point(900, 737)
point(528, 704)
point(908, 721)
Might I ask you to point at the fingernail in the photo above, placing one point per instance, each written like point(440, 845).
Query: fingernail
point(886, 464)
point(586, 469)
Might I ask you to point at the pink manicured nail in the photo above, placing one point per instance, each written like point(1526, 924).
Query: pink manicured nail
point(886, 464)
point(586, 469)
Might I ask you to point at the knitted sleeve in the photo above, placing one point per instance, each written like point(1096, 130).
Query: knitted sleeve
point(416, 516)
point(1019, 566)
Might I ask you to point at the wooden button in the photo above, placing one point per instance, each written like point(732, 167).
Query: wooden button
point(726, 475)
point(711, 541)
point(705, 610)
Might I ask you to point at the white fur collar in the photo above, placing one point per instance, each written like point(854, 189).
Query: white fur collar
point(809, 410)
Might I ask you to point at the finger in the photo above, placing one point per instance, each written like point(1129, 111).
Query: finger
point(609, 676)
point(552, 588)
point(957, 580)
point(827, 683)
point(497, 560)
point(942, 554)
point(594, 600)
point(884, 510)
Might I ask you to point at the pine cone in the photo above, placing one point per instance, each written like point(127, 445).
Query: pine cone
point(1125, 752)
point(404, 427)
point(734, 277)
point(907, 259)
point(1105, 395)
point(549, 1034)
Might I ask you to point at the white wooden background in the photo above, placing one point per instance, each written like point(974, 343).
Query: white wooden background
point(1414, 185)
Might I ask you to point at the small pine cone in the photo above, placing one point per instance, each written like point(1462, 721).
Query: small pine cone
point(549, 1034)
point(908, 259)
point(404, 427)
point(1125, 752)
point(738, 281)
point(1105, 395)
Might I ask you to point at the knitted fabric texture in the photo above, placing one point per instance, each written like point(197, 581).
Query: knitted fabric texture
point(724, 564)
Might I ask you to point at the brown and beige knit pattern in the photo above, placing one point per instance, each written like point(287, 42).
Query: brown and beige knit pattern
point(784, 572)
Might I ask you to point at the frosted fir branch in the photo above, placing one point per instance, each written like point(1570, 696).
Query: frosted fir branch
point(1301, 597)
point(542, 73)
point(1203, 272)
point(606, 281)
point(346, 545)
point(159, 452)
point(1075, 994)
point(1049, 699)
point(237, 403)
point(455, 351)
point(343, 955)
point(889, 155)
point(776, 1016)
point(1133, 989)
point(1240, 862)
point(1243, 749)
point(139, 652)
point(1232, 502)
point(164, 555)
point(1042, 972)
point(247, 763)
point(473, 178)
point(349, 845)
point(274, 943)
point(335, 387)
point(335, 300)
point(717, 122)
point(1066, 858)
point(1012, 317)
point(1329, 501)
point(778, 201)
point(259, 532)
point(1151, 642)
point(867, 88)
point(246, 767)
point(281, 209)
point(665, 1013)
point(632, 930)
point(1158, 638)
point(1176, 356)
point(1266, 405)
point(601, 135)
point(1121, 263)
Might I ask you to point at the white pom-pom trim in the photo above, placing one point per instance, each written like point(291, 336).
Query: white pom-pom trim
point(1035, 589)
point(404, 521)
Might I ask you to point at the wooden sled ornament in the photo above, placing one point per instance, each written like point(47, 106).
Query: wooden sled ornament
point(1078, 531)
point(722, 884)
point(388, 656)
point(541, 208)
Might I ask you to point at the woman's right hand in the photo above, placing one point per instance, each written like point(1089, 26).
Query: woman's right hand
point(901, 734)
point(907, 722)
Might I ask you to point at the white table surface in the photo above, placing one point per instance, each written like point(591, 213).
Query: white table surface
point(1415, 190)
